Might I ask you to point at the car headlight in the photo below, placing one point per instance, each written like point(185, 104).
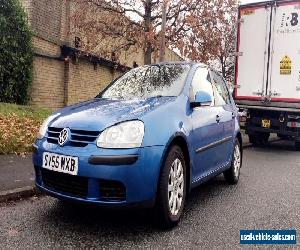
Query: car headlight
point(44, 127)
point(124, 135)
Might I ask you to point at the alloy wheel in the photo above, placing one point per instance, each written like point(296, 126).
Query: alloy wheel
point(237, 160)
point(175, 187)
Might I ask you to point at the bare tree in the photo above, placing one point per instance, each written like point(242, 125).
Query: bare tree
point(113, 26)
point(213, 38)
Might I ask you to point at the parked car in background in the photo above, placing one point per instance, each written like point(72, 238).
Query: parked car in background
point(149, 138)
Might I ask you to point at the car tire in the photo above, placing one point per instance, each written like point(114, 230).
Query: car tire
point(232, 175)
point(297, 145)
point(171, 191)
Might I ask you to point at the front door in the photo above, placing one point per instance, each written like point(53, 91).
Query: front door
point(207, 129)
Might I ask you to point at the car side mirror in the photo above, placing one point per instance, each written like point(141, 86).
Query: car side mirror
point(202, 99)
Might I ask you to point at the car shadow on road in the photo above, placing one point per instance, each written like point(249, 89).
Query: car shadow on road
point(280, 145)
point(107, 221)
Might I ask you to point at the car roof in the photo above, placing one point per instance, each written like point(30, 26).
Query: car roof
point(182, 63)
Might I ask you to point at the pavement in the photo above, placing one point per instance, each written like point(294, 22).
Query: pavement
point(266, 197)
point(16, 178)
point(17, 175)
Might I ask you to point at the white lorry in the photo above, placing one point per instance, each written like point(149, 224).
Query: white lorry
point(267, 80)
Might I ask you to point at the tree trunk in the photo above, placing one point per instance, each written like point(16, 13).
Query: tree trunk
point(148, 54)
point(223, 65)
point(147, 23)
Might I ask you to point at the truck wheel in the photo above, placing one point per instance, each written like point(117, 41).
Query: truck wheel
point(263, 138)
point(232, 175)
point(171, 189)
point(297, 145)
point(283, 137)
point(252, 139)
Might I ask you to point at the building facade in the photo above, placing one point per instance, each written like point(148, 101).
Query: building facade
point(62, 74)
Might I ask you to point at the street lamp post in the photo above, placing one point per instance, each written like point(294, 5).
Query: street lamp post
point(163, 32)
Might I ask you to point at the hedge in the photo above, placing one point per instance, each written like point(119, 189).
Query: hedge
point(16, 53)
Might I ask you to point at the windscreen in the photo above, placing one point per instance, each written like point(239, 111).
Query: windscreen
point(148, 81)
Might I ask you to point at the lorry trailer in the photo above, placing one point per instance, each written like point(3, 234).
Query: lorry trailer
point(267, 75)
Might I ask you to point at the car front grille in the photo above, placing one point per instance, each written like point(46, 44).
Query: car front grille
point(65, 183)
point(79, 138)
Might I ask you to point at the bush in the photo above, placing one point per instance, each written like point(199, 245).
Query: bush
point(16, 53)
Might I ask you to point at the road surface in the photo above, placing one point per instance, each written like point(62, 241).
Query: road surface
point(267, 197)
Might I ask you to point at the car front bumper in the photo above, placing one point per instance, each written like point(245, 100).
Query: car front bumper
point(105, 177)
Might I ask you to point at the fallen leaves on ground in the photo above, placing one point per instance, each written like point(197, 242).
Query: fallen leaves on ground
point(17, 133)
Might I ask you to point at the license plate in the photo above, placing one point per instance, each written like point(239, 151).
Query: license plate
point(60, 163)
point(265, 123)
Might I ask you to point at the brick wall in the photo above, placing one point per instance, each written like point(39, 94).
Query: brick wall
point(48, 83)
point(44, 47)
point(46, 19)
point(57, 83)
point(86, 81)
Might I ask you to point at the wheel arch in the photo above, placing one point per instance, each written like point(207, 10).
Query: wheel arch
point(180, 140)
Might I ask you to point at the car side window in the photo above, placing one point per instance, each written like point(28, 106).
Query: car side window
point(201, 82)
point(221, 92)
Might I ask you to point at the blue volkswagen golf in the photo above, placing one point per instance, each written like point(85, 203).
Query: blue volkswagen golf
point(151, 136)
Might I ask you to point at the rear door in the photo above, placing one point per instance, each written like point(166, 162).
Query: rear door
point(227, 116)
point(285, 58)
point(253, 48)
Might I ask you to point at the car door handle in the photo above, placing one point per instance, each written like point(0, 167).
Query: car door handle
point(218, 118)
